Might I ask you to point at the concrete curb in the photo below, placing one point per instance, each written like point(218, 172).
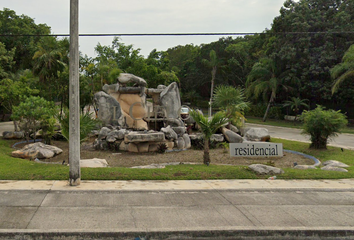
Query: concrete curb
point(226, 233)
point(181, 185)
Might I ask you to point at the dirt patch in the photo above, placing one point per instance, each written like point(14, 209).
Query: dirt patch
point(218, 156)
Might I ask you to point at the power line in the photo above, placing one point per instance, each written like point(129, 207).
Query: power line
point(166, 34)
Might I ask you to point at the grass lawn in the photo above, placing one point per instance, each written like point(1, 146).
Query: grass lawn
point(289, 124)
point(20, 169)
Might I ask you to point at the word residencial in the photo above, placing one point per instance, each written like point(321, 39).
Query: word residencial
point(256, 149)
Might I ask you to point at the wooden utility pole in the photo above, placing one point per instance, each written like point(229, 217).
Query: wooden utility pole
point(74, 97)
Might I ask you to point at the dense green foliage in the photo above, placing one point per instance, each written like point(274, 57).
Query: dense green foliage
point(308, 42)
point(232, 102)
point(35, 113)
point(322, 124)
point(87, 124)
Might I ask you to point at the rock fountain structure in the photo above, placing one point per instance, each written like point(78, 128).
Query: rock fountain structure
point(131, 123)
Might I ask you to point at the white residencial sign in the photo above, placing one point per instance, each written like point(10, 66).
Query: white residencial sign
point(256, 149)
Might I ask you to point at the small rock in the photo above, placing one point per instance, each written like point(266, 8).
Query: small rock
point(265, 169)
point(304, 167)
point(337, 169)
point(334, 163)
point(217, 138)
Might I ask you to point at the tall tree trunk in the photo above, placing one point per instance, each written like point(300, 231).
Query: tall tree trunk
point(268, 107)
point(213, 73)
point(206, 156)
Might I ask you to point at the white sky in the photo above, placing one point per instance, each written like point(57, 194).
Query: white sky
point(151, 16)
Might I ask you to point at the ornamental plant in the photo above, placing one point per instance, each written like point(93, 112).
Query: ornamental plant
point(35, 113)
point(87, 124)
point(321, 125)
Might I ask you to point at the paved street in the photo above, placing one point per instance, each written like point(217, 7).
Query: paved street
point(342, 140)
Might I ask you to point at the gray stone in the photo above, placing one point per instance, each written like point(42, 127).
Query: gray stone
point(110, 88)
point(217, 138)
point(144, 137)
point(174, 122)
point(337, 169)
point(115, 135)
point(169, 133)
point(104, 133)
point(231, 137)
point(180, 144)
point(334, 163)
point(233, 128)
point(265, 169)
point(109, 109)
point(304, 167)
point(93, 163)
point(243, 130)
point(13, 135)
point(125, 78)
point(187, 141)
point(161, 87)
point(257, 134)
point(197, 136)
point(171, 100)
point(37, 150)
point(179, 130)
point(100, 144)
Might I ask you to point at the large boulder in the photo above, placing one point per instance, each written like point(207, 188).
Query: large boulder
point(134, 110)
point(125, 78)
point(13, 135)
point(265, 169)
point(257, 134)
point(109, 109)
point(231, 136)
point(171, 100)
point(37, 150)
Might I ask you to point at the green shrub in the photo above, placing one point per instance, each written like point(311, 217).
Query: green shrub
point(35, 113)
point(87, 124)
point(322, 124)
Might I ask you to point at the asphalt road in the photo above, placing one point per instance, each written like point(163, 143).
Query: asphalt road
point(342, 140)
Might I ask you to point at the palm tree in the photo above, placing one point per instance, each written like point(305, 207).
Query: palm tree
point(208, 128)
point(49, 62)
point(265, 79)
point(295, 103)
point(343, 71)
point(232, 101)
point(213, 63)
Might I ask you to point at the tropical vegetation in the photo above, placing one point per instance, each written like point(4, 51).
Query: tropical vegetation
point(306, 54)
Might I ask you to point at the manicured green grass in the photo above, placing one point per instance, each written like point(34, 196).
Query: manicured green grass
point(20, 169)
point(289, 124)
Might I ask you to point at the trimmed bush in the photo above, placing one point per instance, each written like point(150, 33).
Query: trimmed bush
point(322, 124)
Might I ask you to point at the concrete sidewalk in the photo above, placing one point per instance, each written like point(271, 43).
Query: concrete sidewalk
point(212, 209)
